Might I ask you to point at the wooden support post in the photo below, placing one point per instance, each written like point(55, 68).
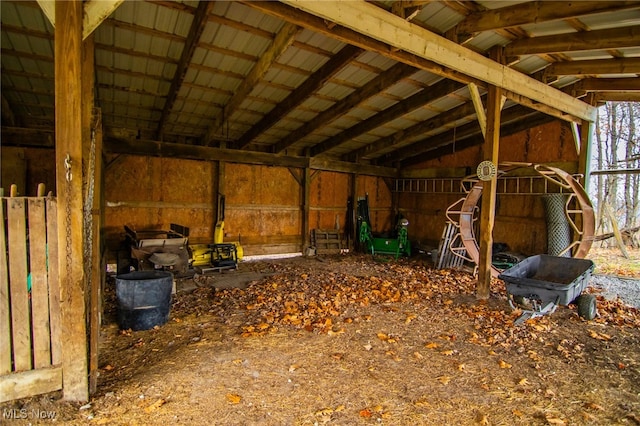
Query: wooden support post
point(487, 214)
point(306, 207)
point(584, 155)
point(68, 96)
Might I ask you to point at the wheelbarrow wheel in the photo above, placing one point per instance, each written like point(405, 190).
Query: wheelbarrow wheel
point(586, 306)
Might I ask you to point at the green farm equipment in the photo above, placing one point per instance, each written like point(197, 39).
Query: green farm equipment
point(396, 244)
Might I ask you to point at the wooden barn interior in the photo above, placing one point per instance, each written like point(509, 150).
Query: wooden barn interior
point(144, 113)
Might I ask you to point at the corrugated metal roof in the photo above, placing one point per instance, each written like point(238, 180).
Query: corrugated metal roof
point(139, 47)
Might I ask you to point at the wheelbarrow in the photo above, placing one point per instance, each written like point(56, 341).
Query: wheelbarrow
point(544, 282)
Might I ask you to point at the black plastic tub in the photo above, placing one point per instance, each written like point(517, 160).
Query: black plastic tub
point(549, 278)
point(144, 299)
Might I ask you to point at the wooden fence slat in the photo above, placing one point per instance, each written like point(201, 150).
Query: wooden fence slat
point(5, 315)
point(20, 318)
point(29, 383)
point(39, 288)
point(54, 285)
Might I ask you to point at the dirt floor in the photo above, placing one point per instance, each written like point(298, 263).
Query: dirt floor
point(348, 340)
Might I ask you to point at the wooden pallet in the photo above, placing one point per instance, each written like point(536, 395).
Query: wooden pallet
point(326, 241)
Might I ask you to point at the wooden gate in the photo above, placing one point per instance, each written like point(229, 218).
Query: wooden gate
point(30, 345)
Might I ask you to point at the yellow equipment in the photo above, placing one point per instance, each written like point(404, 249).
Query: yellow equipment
point(219, 255)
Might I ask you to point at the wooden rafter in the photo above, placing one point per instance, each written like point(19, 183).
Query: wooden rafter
point(372, 88)
point(595, 66)
point(617, 97)
point(608, 85)
point(429, 94)
point(438, 148)
point(460, 112)
point(578, 41)
point(281, 42)
point(195, 31)
point(536, 11)
point(310, 85)
point(418, 42)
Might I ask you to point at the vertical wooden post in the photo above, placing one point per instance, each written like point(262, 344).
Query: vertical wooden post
point(584, 156)
point(487, 214)
point(68, 99)
point(306, 208)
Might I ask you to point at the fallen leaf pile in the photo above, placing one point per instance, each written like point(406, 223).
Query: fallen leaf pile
point(321, 301)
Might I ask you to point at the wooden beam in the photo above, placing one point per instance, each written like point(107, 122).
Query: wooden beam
point(631, 84)
point(306, 89)
point(479, 107)
point(616, 97)
point(595, 67)
point(460, 112)
point(49, 9)
point(380, 83)
point(450, 143)
point(536, 11)
point(394, 31)
point(95, 12)
point(68, 53)
point(282, 41)
point(613, 38)
point(195, 152)
point(357, 168)
point(26, 384)
point(488, 210)
point(195, 31)
point(429, 94)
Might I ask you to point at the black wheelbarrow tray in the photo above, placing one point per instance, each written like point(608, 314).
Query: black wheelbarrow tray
point(548, 281)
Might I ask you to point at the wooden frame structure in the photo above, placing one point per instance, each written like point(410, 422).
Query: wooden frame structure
point(364, 27)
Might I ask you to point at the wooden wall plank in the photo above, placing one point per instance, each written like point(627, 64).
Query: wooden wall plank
point(20, 318)
point(39, 288)
point(5, 313)
point(29, 383)
point(54, 285)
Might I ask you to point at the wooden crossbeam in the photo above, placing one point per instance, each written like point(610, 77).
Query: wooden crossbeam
point(613, 38)
point(429, 94)
point(375, 86)
point(465, 110)
point(95, 12)
point(453, 136)
point(536, 11)
point(595, 66)
point(445, 146)
point(306, 89)
point(418, 42)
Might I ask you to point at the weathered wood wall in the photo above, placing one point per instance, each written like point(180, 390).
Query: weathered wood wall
point(264, 204)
